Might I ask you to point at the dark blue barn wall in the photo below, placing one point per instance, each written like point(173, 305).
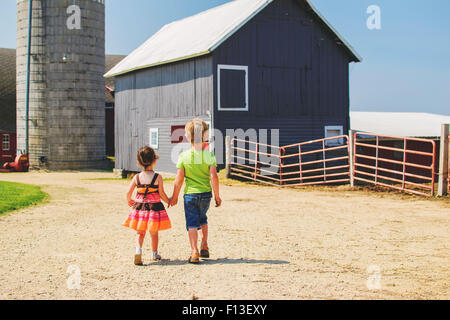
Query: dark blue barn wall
point(298, 74)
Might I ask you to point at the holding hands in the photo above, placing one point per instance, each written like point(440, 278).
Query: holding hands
point(173, 201)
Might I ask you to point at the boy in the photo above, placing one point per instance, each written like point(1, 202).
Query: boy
point(198, 167)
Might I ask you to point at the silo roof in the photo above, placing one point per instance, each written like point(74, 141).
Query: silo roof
point(201, 34)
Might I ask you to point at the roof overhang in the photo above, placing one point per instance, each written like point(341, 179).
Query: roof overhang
point(203, 53)
point(229, 33)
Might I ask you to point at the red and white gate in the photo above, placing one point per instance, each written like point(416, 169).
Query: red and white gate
point(247, 163)
point(322, 161)
point(405, 164)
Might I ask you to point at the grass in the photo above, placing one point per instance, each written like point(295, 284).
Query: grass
point(14, 196)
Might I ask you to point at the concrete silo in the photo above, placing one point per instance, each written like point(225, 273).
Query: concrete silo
point(66, 126)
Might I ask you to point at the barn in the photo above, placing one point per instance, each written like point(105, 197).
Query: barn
point(110, 61)
point(248, 64)
point(7, 105)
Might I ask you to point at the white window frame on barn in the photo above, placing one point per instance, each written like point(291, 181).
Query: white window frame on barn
point(6, 143)
point(154, 143)
point(335, 142)
point(210, 135)
point(232, 67)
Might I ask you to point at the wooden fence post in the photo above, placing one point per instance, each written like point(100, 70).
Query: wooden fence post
point(443, 163)
point(351, 144)
point(228, 155)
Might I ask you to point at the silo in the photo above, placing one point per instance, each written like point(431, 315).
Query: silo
point(66, 90)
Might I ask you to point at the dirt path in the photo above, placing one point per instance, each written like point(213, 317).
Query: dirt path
point(265, 243)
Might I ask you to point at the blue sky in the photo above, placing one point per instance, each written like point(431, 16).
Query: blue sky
point(406, 64)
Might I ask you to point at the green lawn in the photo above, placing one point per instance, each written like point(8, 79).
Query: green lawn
point(15, 196)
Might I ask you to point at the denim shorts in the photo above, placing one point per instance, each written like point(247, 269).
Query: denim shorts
point(196, 206)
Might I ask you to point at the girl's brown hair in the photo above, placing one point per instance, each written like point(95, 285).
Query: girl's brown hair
point(146, 156)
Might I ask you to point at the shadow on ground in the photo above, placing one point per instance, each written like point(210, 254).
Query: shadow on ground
point(166, 262)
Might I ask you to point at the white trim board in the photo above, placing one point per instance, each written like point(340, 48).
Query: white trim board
point(6, 135)
point(151, 132)
point(336, 142)
point(238, 68)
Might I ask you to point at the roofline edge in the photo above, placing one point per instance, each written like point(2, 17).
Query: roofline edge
point(239, 26)
point(195, 55)
point(345, 42)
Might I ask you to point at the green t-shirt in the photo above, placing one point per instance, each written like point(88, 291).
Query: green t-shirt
point(196, 166)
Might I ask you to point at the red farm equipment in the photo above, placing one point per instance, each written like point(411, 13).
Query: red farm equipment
point(19, 164)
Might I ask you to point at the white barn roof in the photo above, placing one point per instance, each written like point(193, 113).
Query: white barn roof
point(401, 124)
point(199, 35)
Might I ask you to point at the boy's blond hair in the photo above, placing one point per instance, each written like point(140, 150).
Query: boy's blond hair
point(196, 128)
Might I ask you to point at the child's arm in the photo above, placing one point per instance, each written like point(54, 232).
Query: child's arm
point(130, 192)
point(215, 185)
point(177, 187)
point(162, 194)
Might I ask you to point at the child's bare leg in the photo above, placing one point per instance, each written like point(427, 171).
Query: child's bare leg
point(140, 239)
point(155, 239)
point(193, 239)
point(139, 242)
point(204, 236)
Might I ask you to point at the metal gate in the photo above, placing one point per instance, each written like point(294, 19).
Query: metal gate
point(255, 161)
point(405, 164)
point(322, 161)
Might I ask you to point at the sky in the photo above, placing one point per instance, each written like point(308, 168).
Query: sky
point(406, 63)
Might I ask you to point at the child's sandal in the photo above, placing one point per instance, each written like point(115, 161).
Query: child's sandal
point(156, 256)
point(194, 259)
point(204, 252)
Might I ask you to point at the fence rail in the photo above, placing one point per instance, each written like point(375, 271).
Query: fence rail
point(402, 168)
point(320, 161)
point(307, 163)
point(246, 161)
point(400, 163)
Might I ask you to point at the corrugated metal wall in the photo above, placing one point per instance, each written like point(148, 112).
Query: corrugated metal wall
point(167, 151)
point(179, 91)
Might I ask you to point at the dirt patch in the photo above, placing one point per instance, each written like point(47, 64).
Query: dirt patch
point(266, 243)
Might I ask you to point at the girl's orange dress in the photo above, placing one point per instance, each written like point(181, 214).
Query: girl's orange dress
point(148, 212)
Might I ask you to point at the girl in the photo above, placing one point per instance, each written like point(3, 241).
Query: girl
point(148, 212)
